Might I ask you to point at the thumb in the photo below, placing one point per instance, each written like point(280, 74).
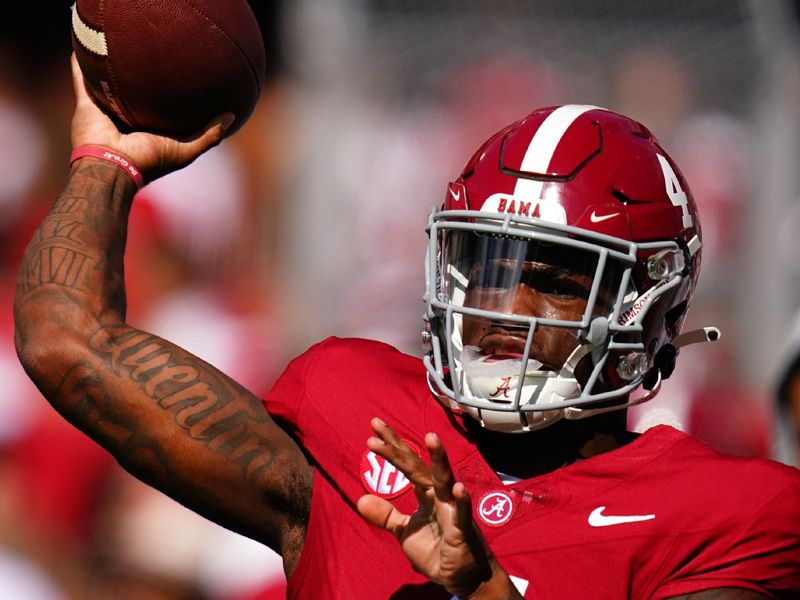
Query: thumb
point(210, 137)
point(381, 513)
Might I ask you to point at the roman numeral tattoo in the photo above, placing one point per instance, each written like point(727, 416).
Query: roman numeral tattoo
point(56, 254)
point(55, 264)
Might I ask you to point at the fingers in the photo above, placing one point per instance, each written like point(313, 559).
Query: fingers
point(435, 481)
point(439, 476)
point(83, 101)
point(381, 513)
point(89, 124)
point(391, 447)
point(463, 517)
point(188, 151)
point(443, 480)
point(77, 80)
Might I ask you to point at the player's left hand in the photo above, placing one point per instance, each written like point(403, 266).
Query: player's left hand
point(440, 538)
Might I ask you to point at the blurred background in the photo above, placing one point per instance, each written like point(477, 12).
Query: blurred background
point(310, 222)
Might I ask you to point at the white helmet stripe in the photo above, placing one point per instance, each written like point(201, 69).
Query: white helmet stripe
point(542, 147)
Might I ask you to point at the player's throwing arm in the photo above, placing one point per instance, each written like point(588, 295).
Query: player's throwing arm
point(168, 418)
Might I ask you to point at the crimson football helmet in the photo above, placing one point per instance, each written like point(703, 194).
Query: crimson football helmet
point(585, 207)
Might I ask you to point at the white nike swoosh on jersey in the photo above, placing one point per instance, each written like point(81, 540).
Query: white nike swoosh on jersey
point(455, 196)
point(598, 519)
point(595, 218)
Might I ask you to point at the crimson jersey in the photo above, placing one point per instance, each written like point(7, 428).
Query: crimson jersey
point(662, 516)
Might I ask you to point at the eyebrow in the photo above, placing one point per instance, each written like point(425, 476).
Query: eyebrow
point(542, 268)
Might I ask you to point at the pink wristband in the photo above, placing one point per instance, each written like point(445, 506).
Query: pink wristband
point(121, 161)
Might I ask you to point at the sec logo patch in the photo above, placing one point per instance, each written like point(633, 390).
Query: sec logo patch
point(380, 477)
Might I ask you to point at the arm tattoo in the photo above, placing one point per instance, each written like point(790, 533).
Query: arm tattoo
point(202, 406)
point(65, 272)
point(85, 399)
point(56, 256)
point(168, 417)
point(80, 244)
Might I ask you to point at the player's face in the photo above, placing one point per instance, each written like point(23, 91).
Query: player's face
point(530, 288)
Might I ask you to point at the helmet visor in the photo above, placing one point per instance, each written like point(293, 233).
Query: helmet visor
point(498, 277)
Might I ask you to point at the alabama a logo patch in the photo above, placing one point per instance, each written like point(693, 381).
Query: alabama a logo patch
point(382, 478)
point(495, 508)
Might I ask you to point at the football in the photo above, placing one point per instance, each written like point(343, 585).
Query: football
point(170, 66)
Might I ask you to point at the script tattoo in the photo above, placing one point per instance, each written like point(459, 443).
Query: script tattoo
point(200, 403)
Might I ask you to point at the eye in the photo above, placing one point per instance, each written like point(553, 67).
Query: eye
point(558, 287)
point(492, 276)
point(565, 290)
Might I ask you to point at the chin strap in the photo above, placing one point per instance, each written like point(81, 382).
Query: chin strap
point(573, 413)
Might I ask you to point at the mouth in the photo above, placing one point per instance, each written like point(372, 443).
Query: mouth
point(502, 345)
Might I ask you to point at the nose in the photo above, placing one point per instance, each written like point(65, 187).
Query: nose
point(525, 301)
point(520, 300)
point(545, 303)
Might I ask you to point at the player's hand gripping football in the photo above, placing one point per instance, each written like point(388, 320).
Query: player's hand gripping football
point(154, 155)
point(440, 538)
